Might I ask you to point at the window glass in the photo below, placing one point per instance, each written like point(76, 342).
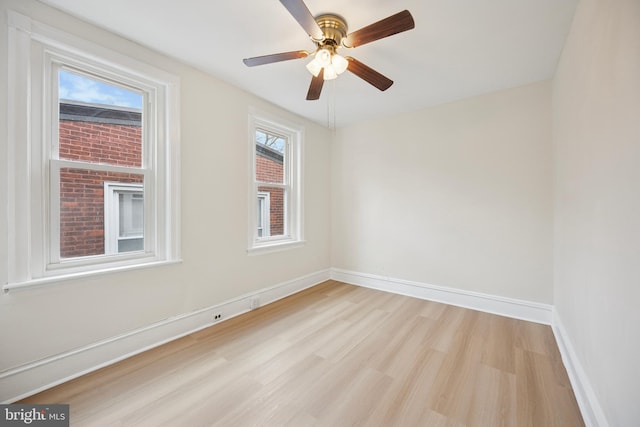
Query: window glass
point(270, 157)
point(131, 221)
point(263, 224)
point(98, 123)
point(275, 214)
point(83, 216)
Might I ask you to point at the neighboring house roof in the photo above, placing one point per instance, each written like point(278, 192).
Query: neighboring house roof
point(269, 153)
point(97, 113)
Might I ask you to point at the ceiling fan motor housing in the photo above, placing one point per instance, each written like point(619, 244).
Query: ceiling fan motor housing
point(333, 27)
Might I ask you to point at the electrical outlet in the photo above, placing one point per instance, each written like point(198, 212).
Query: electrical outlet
point(217, 316)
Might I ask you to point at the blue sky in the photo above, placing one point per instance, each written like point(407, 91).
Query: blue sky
point(76, 87)
point(273, 141)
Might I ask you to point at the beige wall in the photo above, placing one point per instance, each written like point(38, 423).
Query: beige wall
point(596, 134)
point(42, 322)
point(457, 195)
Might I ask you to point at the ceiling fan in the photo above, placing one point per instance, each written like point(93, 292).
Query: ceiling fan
point(329, 32)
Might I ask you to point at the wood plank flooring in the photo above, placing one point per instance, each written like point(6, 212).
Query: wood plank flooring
point(337, 355)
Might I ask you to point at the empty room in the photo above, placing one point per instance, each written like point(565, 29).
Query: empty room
point(320, 213)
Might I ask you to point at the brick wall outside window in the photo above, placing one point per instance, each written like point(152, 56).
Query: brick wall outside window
point(94, 140)
point(270, 170)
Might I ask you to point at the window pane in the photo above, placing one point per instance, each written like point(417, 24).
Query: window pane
point(130, 245)
point(263, 215)
point(276, 211)
point(270, 151)
point(98, 122)
point(131, 214)
point(82, 210)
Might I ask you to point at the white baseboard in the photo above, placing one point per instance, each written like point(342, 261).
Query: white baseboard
point(509, 307)
point(32, 378)
point(590, 407)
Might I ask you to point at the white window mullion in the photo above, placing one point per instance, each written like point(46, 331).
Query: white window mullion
point(78, 164)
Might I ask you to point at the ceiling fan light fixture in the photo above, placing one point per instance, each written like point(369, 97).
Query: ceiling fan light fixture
point(323, 56)
point(339, 63)
point(330, 72)
point(314, 67)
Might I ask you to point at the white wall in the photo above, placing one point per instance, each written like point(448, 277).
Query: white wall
point(38, 323)
point(458, 195)
point(596, 135)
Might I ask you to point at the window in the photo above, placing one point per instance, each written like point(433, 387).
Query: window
point(276, 198)
point(95, 142)
point(264, 215)
point(123, 217)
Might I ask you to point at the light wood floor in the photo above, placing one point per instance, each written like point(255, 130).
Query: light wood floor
point(337, 355)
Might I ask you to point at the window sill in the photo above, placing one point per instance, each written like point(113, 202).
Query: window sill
point(44, 281)
point(275, 247)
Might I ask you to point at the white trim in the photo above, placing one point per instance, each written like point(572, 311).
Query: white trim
point(31, 378)
point(590, 407)
point(275, 247)
point(509, 307)
point(34, 283)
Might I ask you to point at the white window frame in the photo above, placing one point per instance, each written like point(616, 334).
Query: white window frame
point(36, 52)
point(293, 134)
point(112, 191)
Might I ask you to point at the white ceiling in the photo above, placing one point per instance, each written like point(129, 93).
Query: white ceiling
point(459, 48)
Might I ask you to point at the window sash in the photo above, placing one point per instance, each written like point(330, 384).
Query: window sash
point(54, 62)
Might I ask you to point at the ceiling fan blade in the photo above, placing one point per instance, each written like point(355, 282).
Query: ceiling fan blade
point(394, 24)
point(316, 87)
point(368, 74)
point(301, 13)
point(276, 57)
